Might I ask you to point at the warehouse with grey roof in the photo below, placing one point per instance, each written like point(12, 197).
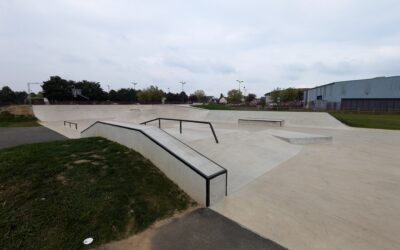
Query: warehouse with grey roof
point(375, 94)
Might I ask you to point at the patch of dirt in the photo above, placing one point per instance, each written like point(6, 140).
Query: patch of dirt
point(142, 241)
point(62, 179)
point(97, 156)
point(18, 109)
point(82, 161)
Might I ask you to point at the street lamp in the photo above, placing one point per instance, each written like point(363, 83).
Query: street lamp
point(134, 85)
point(183, 83)
point(239, 81)
point(29, 91)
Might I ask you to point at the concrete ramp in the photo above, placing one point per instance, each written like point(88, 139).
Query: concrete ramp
point(299, 138)
point(204, 180)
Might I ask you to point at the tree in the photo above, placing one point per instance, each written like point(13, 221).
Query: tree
point(20, 97)
point(172, 98)
point(123, 95)
point(275, 94)
point(151, 95)
point(193, 98)
point(57, 89)
point(287, 95)
point(92, 90)
point(250, 97)
point(7, 95)
point(200, 95)
point(183, 98)
point(234, 96)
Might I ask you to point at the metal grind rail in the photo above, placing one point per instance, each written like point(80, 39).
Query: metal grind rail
point(71, 123)
point(180, 124)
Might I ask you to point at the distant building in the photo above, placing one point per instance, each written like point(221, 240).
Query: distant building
point(376, 94)
point(223, 100)
point(268, 98)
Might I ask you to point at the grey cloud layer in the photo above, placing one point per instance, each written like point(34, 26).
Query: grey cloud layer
point(209, 44)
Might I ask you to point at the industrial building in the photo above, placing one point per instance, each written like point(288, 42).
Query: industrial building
point(376, 94)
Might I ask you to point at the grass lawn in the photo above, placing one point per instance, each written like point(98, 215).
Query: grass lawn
point(10, 120)
point(54, 195)
point(214, 106)
point(369, 120)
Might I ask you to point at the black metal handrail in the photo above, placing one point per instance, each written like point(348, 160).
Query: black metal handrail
point(180, 124)
point(70, 123)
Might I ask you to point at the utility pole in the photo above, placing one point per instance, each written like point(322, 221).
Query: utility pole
point(239, 84)
point(29, 91)
point(183, 83)
point(134, 85)
point(108, 86)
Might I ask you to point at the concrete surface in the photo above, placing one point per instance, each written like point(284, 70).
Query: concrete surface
point(343, 195)
point(10, 137)
point(205, 229)
point(338, 195)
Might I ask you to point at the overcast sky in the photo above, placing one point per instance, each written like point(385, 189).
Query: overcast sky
point(208, 43)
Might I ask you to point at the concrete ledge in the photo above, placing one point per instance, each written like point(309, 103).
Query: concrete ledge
point(201, 178)
point(299, 138)
point(257, 121)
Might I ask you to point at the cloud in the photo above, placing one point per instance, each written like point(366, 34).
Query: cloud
point(201, 67)
point(208, 44)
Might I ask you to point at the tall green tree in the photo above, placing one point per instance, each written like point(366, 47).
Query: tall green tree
point(7, 95)
point(250, 98)
point(123, 95)
point(151, 94)
point(234, 96)
point(201, 95)
point(57, 89)
point(92, 90)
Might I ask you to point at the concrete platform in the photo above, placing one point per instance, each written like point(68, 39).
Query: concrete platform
point(259, 121)
point(299, 138)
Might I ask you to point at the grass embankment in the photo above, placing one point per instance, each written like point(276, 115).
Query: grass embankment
point(369, 120)
point(11, 120)
point(54, 195)
point(215, 106)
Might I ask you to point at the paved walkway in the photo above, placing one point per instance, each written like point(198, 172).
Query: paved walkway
point(10, 137)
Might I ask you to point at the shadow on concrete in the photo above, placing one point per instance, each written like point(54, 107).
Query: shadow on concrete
point(10, 137)
point(206, 229)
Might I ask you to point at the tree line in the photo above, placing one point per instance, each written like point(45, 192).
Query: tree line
point(59, 90)
point(8, 96)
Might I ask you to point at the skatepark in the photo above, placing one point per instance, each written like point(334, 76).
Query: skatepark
point(301, 179)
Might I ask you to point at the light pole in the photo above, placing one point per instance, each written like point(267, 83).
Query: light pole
point(183, 83)
point(239, 81)
point(134, 85)
point(29, 91)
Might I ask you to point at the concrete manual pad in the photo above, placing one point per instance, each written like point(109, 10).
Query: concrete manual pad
point(299, 138)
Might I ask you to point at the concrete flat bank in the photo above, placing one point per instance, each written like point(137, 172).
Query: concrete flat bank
point(204, 180)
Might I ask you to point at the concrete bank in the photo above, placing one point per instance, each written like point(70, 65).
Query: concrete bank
point(204, 180)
